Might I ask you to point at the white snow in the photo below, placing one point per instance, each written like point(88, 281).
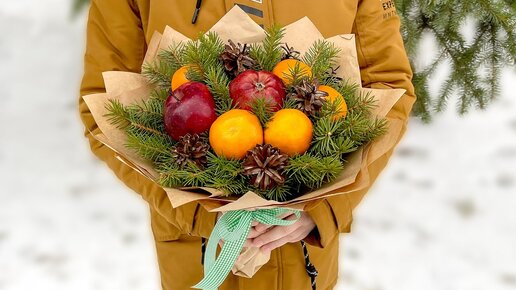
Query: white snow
point(440, 217)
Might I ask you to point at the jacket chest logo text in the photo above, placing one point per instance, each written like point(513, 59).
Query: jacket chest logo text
point(389, 9)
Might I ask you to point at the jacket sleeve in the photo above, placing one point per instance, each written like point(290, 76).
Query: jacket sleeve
point(116, 42)
point(383, 64)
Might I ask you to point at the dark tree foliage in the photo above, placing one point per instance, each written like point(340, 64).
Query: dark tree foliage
point(475, 63)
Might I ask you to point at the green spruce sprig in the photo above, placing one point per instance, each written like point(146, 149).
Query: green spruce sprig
point(280, 193)
point(192, 176)
point(313, 171)
point(149, 146)
point(362, 129)
point(289, 103)
point(229, 186)
point(160, 94)
point(147, 116)
point(321, 57)
point(168, 62)
point(169, 175)
point(202, 55)
point(225, 175)
point(173, 56)
point(158, 73)
point(360, 103)
point(143, 124)
point(269, 52)
point(295, 76)
point(328, 140)
point(218, 82)
point(263, 109)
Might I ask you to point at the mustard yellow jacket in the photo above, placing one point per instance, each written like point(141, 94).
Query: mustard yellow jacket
point(117, 38)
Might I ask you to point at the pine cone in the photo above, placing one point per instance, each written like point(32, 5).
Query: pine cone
point(290, 52)
point(236, 58)
point(191, 148)
point(308, 98)
point(265, 165)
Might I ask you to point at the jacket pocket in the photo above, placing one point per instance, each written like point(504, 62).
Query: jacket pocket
point(163, 230)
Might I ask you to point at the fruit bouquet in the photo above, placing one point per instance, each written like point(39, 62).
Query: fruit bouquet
point(246, 121)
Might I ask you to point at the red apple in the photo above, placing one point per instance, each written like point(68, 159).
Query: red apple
point(251, 85)
point(189, 109)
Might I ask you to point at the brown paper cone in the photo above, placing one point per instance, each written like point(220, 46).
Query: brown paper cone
point(130, 88)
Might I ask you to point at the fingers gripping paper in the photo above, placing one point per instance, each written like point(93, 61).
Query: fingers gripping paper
point(130, 88)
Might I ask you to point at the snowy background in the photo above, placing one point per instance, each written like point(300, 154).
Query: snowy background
point(441, 217)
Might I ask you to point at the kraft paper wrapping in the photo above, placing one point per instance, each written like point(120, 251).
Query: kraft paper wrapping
point(236, 25)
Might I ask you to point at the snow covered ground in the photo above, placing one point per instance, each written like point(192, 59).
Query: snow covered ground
point(440, 217)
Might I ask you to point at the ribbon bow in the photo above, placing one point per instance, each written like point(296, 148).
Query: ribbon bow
point(233, 228)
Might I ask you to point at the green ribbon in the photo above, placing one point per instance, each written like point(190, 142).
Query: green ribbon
point(233, 228)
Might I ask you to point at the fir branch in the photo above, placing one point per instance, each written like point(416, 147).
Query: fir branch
point(229, 186)
point(147, 129)
point(269, 52)
point(202, 54)
point(289, 103)
point(422, 107)
point(218, 83)
point(295, 76)
point(356, 127)
point(160, 94)
point(263, 109)
point(321, 57)
point(360, 103)
point(159, 73)
point(169, 175)
point(332, 108)
point(173, 56)
point(326, 140)
point(150, 146)
point(221, 166)
point(117, 114)
point(344, 145)
point(348, 90)
point(313, 171)
point(225, 175)
point(191, 175)
point(146, 116)
point(361, 129)
point(278, 193)
point(377, 128)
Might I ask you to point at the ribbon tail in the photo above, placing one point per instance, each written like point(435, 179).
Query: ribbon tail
point(222, 266)
point(211, 250)
point(233, 228)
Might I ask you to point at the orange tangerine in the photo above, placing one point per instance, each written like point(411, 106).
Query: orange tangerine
point(290, 130)
point(285, 67)
point(179, 77)
point(234, 133)
point(334, 95)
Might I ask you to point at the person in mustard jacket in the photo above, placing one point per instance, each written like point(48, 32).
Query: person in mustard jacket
point(117, 36)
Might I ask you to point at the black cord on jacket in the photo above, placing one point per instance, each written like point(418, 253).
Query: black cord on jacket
point(196, 11)
point(310, 268)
